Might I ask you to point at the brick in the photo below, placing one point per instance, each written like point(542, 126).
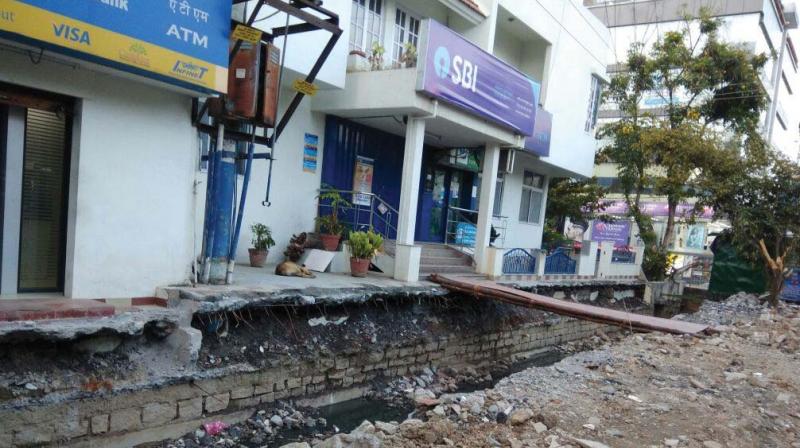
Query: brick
point(33, 435)
point(337, 375)
point(280, 395)
point(244, 403)
point(297, 391)
point(190, 408)
point(318, 379)
point(342, 363)
point(242, 392)
point(99, 424)
point(347, 381)
point(293, 383)
point(125, 420)
point(268, 398)
point(217, 402)
point(158, 413)
point(263, 389)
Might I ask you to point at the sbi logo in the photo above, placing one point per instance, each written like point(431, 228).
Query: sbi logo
point(465, 73)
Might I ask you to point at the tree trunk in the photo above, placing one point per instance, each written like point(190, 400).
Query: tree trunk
point(775, 272)
point(669, 232)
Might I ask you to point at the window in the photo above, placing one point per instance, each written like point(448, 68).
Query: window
point(497, 211)
point(406, 31)
point(365, 24)
point(594, 104)
point(530, 210)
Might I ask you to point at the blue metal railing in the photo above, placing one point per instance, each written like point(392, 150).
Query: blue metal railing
point(559, 262)
point(519, 261)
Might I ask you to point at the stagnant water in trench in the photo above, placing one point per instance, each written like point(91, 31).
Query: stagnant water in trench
point(347, 415)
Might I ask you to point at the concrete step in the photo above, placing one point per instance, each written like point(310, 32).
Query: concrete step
point(456, 260)
point(445, 269)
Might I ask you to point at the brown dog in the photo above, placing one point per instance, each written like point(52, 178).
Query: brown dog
point(292, 269)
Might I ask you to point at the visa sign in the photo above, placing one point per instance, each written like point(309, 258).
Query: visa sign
point(459, 72)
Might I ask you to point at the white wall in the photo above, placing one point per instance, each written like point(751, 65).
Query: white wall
point(580, 47)
point(521, 234)
point(130, 208)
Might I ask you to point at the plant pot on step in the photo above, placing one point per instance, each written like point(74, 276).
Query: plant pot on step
point(258, 257)
point(359, 266)
point(330, 242)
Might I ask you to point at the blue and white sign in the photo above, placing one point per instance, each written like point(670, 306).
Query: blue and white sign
point(180, 41)
point(455, 70)
point(791, 289)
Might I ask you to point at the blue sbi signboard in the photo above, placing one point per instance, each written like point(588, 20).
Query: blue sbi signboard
point(179, 41)
point(459, 72)
point(791, 288)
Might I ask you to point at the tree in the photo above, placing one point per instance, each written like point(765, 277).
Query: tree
point(578, 199)
point(761, 203)
point(710, 95)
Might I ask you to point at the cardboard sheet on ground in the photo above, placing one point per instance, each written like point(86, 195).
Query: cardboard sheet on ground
point(319, 260)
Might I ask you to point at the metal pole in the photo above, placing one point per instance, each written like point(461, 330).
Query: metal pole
point(240, 216)
point(208, 226)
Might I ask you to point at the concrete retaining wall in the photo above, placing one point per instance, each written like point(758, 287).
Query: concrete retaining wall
point(123, 418)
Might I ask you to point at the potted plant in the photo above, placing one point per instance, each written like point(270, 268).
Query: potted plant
point(409, 56)
point(330, 228)
point(363, 247)
point(376, 57)
point(262, 241)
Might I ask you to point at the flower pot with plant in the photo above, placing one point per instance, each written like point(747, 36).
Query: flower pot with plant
point(262, 241)
point(363, 248)
point(330, 228)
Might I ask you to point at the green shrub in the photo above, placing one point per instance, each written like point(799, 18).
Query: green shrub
point(365, 245)
point(262, 236)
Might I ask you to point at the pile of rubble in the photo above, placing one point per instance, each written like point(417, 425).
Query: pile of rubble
point(741, 306)
point(736, 388)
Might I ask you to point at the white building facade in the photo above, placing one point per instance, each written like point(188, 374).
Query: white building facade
point(125, 213)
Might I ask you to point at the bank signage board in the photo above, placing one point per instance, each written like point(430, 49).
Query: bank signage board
point(455, 70)
point(178, 41)
point(658, 209)
point(539, 142)
point(618, 232)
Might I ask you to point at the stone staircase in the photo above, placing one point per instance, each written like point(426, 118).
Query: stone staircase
point(442, 259)
point(435, 259)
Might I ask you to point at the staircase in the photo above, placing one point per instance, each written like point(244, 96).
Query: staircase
point(442, 259)
point(435, 259)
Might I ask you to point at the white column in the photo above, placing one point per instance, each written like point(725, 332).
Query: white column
point(13, 199)
point(491, 162)
point(407, 256)
point(587, 262)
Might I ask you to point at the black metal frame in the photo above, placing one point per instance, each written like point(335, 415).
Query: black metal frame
point(295, 8)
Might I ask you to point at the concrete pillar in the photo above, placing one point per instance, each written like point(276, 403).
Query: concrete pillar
point(541, 259)
point(604, 267)
point(587, 261)
point(407, 256)
point(491, 162)
point(495, 262)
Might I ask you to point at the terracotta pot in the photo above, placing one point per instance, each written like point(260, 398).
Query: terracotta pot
point(330, 242)
point(258, 257)
point(359, 267)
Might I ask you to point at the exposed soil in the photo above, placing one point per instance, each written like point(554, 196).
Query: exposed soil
point(255, 336)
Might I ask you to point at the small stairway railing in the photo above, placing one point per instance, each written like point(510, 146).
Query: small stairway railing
point(364, 211)
point(462, 228)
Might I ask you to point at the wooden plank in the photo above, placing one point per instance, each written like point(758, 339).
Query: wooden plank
point(632, 321)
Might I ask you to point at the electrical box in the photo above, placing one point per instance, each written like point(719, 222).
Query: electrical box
point(268, 102)
point(243, 73)
point(252, 86)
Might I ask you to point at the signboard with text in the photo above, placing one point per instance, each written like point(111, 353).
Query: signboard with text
point(618, 232)
point(177, 41)
point(455, 70)
point(791, 289)
point(539, 142)
point(658, 209)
